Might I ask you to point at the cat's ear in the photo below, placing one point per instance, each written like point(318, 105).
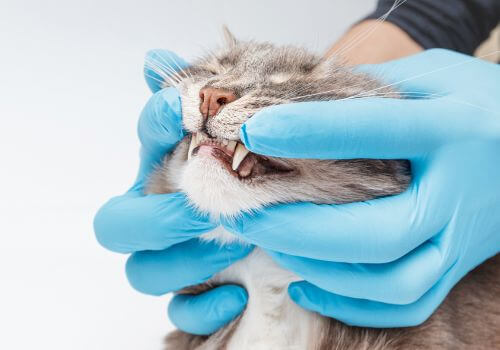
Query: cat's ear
point(229, 38)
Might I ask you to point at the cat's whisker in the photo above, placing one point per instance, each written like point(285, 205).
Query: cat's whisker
point(467, 103)
point(424, 96)
point(161, 81)
point(414, 94)
point(159, 69)
point(297, 91)
point(449, 99)
point(365, 34)
point(163, 72)
point(167, 69)
point(472, 59)
point(407, 79)
point(171, 71)
point(169, 79)
point(180, 69)
point(330, 73)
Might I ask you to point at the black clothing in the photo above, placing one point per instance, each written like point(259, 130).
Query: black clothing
point(459, 25)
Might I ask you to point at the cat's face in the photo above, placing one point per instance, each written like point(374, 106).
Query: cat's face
point(223, 90)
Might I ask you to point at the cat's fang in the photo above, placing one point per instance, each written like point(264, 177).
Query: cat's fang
point(192, 145)
point(231, 146)
point(239, 154)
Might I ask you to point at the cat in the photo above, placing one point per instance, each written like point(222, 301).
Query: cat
point(219, 176)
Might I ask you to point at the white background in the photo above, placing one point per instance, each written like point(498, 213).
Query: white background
point(71, 89)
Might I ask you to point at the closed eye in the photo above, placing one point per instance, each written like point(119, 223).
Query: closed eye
point(281, 77)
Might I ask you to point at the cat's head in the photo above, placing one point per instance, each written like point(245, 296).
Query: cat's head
point(222, 90)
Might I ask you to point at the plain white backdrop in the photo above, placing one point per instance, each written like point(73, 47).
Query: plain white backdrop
point(71, 90)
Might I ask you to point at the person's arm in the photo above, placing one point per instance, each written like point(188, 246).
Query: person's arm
point(459, 25)
point(386, 42)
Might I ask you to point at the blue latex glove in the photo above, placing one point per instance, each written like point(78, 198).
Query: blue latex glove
point(390, 262)
point(160, 230)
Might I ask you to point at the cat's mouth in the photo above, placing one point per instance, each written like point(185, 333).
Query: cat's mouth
point(235, 157)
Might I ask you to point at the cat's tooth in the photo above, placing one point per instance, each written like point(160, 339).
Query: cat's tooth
point(231, 145)
point(225, 142)
point(239, 154)
point(195, 141)
point(192, 145)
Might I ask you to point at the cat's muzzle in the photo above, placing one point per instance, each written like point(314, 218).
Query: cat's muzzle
point(235, 157)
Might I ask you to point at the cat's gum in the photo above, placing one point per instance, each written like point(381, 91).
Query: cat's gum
point(234, 156)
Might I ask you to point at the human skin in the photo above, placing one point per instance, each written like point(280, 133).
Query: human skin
point(383, 41)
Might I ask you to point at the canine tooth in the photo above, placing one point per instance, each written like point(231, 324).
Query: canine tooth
point(239, 154)
point(192, 145)
point(231, 145)
point(195, 141)
point(225, 142)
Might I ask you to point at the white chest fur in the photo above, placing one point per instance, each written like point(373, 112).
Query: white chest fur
point(271, 320)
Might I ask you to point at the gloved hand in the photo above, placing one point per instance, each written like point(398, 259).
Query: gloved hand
point(389, 262)
point(159, 229)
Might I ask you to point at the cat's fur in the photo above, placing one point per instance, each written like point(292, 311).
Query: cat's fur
point(261, 75)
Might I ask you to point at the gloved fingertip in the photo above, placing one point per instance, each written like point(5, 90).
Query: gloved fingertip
point(306, 295)
point(160, 123)
point(252, 132)
point(233, 300)
point(136, 276)
point(105, 228)
point(206, 313)
point(296, 291)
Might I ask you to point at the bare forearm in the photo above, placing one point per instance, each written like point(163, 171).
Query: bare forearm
point(374, 42)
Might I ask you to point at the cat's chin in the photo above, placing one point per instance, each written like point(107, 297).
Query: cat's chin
point(212, 189)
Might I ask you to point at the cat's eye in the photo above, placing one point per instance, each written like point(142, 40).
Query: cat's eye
point(280, 77)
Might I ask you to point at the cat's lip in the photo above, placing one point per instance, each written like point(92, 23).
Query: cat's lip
point(200, 139)
point(235, 157)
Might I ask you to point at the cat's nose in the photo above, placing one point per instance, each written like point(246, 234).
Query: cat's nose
point(212, 99)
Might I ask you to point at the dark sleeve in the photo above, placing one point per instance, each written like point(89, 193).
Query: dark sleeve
point(459, 25)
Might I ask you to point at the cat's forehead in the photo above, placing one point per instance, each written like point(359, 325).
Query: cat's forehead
point(265, 58)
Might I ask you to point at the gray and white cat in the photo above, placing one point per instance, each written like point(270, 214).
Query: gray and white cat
point(221, 177)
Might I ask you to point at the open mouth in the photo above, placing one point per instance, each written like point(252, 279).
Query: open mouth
point(235, 157)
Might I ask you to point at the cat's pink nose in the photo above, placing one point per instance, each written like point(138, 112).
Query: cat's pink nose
point(212, 99)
